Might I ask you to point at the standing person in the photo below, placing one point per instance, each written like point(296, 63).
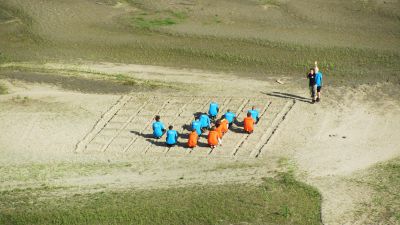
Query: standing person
point(213, 110)
point(196, 125)
point(205, 121)
point(311, 84)
point(230, 116)
point(248, 123)
point(158, 128)
point(318, 81)
point(213, 138)
point(254, 114)
point(172, 137)
point(193, 138)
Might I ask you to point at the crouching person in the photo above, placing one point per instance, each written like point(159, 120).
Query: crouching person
point(172, 137)
point(193, 138)
point(214, 138)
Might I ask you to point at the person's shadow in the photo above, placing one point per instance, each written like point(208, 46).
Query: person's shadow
point(288, 96)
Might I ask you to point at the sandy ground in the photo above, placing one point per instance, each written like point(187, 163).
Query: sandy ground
point(349, 131)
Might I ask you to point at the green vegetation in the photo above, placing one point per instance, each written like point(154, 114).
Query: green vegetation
point(280, 200)
point(384, 208)
point(270, 2)
point(41, 173)
point(157, 19)
point(137, 37)
point(84, 80)
point(3, 89)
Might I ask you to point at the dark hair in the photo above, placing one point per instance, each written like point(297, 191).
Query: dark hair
point(312, 69)
point(170, 127)
point(248, 114)
point(157, 118)
point(217, 123)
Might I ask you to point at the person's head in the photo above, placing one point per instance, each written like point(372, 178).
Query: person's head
point(253, 107)
point(217, 123)
point(316, 69)
point(171, 127)
point(228, 110)
point(157, 118)
point(248, 114)
point(222, 117)
point(213, 128)
point(312, 71)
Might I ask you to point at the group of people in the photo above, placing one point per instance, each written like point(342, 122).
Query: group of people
point(315, 83)
point(204, 123)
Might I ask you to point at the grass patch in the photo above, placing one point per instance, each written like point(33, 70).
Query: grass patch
point(270, 2)
point(84, 80)
point(44, 172)
point(143, 23)
point(384, 207)
point(280, 200)
point(3, 89)
point(152, 20)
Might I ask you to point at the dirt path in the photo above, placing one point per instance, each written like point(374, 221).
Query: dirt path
point(351, 130)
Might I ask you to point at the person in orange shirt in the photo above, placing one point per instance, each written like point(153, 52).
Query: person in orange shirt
point(213, 138)
point(248, 124)
point(224, 125)
point(193, 137)
point(219, 128)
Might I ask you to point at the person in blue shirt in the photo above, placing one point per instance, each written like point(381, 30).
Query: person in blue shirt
point(158, 128)
point(254, 114)
point(196, 125)
point(230, 116)
point(205, 121)
point(172, 137)
point(213, 110)
point(318, 81)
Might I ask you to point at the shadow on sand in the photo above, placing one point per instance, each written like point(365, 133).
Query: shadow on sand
point(288, 96)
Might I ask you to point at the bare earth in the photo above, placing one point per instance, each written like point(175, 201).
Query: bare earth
point(328, 143)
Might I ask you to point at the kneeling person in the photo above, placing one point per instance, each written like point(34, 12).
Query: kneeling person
point(158, 128)
point(172, 137)
point(248, 124)
point(213, 138)
point(254, 114)
point(204, 121)
point(213, 110)
point(193, 138)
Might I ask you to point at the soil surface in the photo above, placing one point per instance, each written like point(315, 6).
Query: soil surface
point(327, 143)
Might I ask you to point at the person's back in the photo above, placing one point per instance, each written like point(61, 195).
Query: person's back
point(318, 79)
point(248, 123)
point(196, 126)
point(205, 121)
point(213, 110)
point(254, 114)
point(224, 125)
point(230, 116)
point(172, 136)
point(193, 137)
point(212, 138)
point(158, 128)
point(318, 82)
point(219, 131)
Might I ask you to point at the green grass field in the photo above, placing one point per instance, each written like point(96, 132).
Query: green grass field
point(280, 200)
point(179, 36)
point(385, 199)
